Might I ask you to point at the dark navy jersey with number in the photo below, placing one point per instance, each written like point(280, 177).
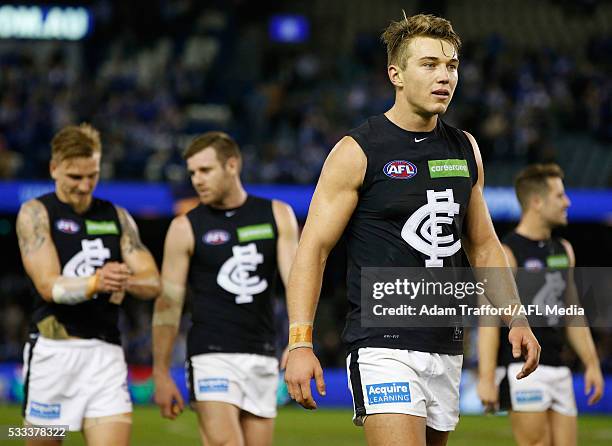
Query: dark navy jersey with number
point(541, 280)
point(231, 279)
point(415, 181)
point(84, 243)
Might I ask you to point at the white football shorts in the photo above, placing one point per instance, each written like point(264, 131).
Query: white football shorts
point(384, 380)
point(248, 381)
point(547, 387)
point(68, 380)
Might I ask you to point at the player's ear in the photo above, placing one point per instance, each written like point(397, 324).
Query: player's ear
point(395, 76)
point(53, 166)
point(232, 164)
point(537, 202)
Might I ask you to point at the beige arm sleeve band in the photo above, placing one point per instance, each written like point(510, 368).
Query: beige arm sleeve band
point(73, 290)
point(300, 335)
point(169, 310)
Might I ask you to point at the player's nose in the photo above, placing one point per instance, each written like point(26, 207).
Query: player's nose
point(442, 74)
point(567, 202)
point(85, 186)
point(197, 180)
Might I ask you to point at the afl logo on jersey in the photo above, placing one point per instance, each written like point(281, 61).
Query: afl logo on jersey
point(216, 237)
point(533, 264)
point(67, 226)
point(400, 169)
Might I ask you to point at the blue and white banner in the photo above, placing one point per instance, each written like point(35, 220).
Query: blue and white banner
point(157, 199)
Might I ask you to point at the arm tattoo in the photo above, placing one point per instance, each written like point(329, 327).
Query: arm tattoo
point(32, 227)
point(130, 240)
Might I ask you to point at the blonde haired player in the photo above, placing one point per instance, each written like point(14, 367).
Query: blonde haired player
point(379, 185)
point(78, 251)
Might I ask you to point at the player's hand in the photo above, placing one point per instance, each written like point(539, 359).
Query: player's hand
point(593, 384)
point(302, 366)
point(488, 393)
point(113, 276)
point(168, 397)
point(284, 357)
point(525, 344)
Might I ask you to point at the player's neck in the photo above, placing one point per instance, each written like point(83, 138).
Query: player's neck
point(79, 207)
point(410, 120)
point(533, 228)
point(235, 198)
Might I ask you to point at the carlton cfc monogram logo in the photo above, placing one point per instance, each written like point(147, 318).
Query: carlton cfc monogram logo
point(84, 263)
point(550, 294)
point(439, 210)
point(234, 276)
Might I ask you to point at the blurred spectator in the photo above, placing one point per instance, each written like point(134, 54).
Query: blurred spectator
point(207, 69)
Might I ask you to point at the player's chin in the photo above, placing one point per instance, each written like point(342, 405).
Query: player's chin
point(80, 198)
point(439, 108)
point(206, 197)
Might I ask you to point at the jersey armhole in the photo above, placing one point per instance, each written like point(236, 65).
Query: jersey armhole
point(563, 242)
point(188, 215)
point(362, 143)
point(118, 217)
point(471, 157)
point(47, 210)
point(273, 217)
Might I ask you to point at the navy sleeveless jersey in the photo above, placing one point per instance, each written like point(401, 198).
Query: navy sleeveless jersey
point(84, 243)
point(540, 284)
point(231, 279)
point(410, 176)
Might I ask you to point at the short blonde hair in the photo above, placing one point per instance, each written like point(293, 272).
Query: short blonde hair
point(75, 141)
point(398, 35)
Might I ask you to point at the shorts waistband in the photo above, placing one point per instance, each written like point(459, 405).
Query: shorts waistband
point(73, 343)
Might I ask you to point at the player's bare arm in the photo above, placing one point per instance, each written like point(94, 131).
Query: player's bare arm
point(37, 250)
point(579, 337)
point(332, 205)
point(32, 227)
point(286, 246)
point(42, 264)
point(287, 243)
point(484, 249)
point(488, 348)
point(144, 280)
point(168, 308)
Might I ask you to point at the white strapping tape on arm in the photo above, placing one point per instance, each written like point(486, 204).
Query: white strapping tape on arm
point(173, 295)
point(74, 290)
